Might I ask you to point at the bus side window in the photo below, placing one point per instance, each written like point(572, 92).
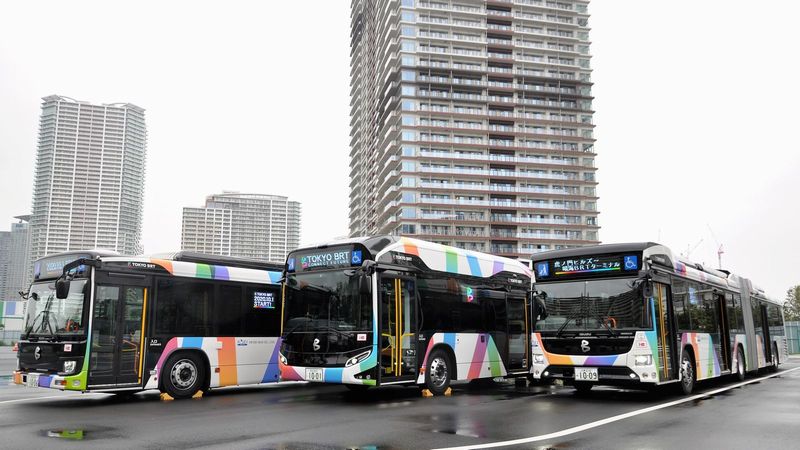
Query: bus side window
point(679, 294)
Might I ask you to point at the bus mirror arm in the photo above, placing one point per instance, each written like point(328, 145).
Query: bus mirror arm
point(539, 307)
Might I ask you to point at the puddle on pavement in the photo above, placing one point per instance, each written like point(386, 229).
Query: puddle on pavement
point(71, 435)
point(461, 426)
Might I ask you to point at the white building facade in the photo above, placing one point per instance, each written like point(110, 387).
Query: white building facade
point(256, 226)
point(89, 184)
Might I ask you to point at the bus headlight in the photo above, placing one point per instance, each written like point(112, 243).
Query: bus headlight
point(69, 367)
point(538, 358)
point(358, 358)
point(643, 360)
point(284, 361)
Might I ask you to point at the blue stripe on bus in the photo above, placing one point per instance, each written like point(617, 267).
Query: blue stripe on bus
point(192, 342)
point(474, 267)
point(333, 374)
point(274, 277)
point(450, 339)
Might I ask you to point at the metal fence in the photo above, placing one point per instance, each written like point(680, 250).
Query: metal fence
point(793, 336)
point(8, 336)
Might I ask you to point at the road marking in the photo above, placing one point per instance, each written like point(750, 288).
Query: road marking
point(588, 426)
point(20, 400)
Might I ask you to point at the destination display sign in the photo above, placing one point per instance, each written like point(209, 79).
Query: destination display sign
point(263, 300)
point(47, 268)
point(324, 259)
point(587, 267)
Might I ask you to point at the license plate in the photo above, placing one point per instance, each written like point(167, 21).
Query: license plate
point(586, 374)
point(313, 374)
point(32, 380)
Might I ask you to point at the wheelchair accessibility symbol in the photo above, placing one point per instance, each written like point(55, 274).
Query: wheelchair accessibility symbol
point(631, 262)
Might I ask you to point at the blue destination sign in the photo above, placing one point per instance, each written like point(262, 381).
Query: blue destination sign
point(326, 259)
point(47, 268)
point(587, 266)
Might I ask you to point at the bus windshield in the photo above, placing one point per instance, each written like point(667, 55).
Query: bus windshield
point(593, 306)
point(48, 316)
point(320, 301)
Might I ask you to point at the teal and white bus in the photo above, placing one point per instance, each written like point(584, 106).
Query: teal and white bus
point(393, 310)
point(183, 323)
point(637, 314)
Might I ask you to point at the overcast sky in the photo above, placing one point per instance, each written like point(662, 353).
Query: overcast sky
point(696, 107)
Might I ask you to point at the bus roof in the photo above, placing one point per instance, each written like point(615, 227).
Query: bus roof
point(205, 270)
point(437, 257)
point(663, 256)
point(220, 260)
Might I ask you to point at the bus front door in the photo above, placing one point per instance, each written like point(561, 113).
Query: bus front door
point(398, 336)
point(664, 326)
point(116, 340)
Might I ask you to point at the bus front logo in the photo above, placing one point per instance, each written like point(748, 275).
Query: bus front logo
point(585, 346)
point(37, 352)
point(316, 344)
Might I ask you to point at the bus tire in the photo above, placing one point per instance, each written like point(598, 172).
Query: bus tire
point(687, 372)
point(740, 364)
point(582, 387)
point(439, 372)
point(775, 361)
point(184, 375)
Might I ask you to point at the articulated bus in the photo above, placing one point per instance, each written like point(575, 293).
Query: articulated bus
point(97, 321)
point(392, 310)
point(637, 314)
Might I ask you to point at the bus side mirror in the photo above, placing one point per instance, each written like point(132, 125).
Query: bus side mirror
point(647, 289)
point(62, 288)
point(539, 308)
point(364, 285)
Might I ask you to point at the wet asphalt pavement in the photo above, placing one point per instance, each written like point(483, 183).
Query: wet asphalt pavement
point(298, 416)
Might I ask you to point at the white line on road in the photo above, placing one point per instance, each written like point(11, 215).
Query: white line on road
point(29, 399)
point(617, 418)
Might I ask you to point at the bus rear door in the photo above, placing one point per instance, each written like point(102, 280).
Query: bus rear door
point(117, 338)
point(518, 334)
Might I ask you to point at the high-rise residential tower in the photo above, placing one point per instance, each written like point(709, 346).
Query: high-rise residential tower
point(89, 184)
point(472, 123)
point(18, 274)
point(265, 227)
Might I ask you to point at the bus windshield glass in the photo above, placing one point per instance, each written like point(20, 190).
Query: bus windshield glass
point(320, 301)
point(48, 316)
point(603, 306)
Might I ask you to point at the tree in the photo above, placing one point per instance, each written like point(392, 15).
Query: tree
point(791, 309)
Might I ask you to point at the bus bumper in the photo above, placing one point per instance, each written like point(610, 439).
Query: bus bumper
point(60, 382)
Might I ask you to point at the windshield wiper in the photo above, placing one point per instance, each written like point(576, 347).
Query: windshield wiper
point(573, 315)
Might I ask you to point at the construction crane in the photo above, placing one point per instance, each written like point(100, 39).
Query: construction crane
point(720, 251)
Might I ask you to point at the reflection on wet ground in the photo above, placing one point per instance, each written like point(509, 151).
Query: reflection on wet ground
point(82, 433)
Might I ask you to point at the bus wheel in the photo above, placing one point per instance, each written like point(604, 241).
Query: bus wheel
point(739, 364)
point(437, 377)
point(183, 375)
point(774, 366)
point(582, 387)
point(687, 373)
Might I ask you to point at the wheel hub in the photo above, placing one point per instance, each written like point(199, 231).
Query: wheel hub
point(438, 372)
point(183, 374)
